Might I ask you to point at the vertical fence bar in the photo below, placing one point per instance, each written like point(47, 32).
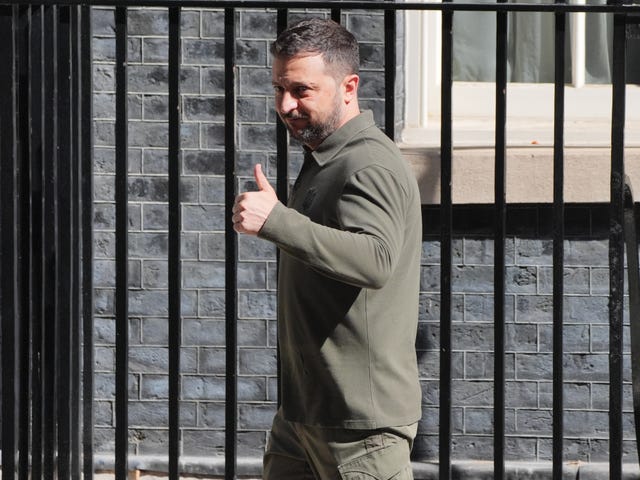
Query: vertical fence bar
point(122, 294)
point(76, 324)
point(499, 243)
point(282, 137)
point(231, 247)
point(24, 241)
point(446, 233)
point(65, 280)
point(87, 241)
point(390, 73)
point(8, 239)
point(558, 244)
point(175, 222)
point(336, 14)
point(282, 164)
point(50, 237)
point(616, 247)
point(37, 228)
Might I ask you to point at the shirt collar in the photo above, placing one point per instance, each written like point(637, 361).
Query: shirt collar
point(335, 142)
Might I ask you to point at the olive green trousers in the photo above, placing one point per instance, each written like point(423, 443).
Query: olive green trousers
point(302, 452)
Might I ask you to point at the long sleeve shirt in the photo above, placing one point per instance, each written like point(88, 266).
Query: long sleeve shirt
point(350, 242)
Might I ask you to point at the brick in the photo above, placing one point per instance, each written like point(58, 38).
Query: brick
point(202, 51)
point(534, 251)
point(253, 248)
point(203, 274)
point(576, 280)
point(251, 444)
point(256, 416)
point(534, 366)
point(190, 23)
point(534, 308)
point(253, 109)
point(538, 422)
point(197, 331)
point(203, 442)
point(154, 387)
point(204, 162)
point(586, 367)
point(366, 27)
point(104, 273)
point(428, 337)
point(103, 414)
point(473, 279)
point(103, 301)
point(148, 21)
point(599, 281)
point(213, 135)
point(521, 394)
point(155, 50)
point(210, 109)
point(146, 79)
point(213, 24)
point(212, 361)
point(155, 160)
point(211, 303)
point(587, 252)
point(252, 333)
point(251, 52)
point(258, 24)
point(148, 442)
point(521, 279)
point(203, 387)
point(203, 218)
point(257, 361)
point(476, 394)
point(255, 81)
point(259, 137)
point(211, 415)
point(480, 251)
point(478, 421)
point(430, 278)
point(213, 80)
point(256, 305)
point(472, 337)
point(586, 423)
point(252, 389)
point(521, 338)
point(371, 55)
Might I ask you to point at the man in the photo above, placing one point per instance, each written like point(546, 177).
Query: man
point(350, 243)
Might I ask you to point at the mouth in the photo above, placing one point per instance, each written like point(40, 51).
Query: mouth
point(297, 121)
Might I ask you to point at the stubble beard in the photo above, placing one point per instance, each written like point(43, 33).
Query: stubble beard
point(315, 133)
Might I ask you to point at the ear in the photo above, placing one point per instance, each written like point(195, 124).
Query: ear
point(350, 87)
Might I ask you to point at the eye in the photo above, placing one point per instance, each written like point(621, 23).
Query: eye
point(277, 89)
point(302, 89)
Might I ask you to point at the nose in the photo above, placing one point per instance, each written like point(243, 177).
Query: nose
point(288, 103)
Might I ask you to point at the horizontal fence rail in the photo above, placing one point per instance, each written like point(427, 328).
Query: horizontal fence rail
point(46, 227)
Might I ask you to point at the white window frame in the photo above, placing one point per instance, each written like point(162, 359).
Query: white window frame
point(529, 106)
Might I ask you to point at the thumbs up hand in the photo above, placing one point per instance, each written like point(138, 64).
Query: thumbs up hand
point(251, 209)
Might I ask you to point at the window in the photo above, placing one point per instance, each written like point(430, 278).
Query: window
point(530, 91)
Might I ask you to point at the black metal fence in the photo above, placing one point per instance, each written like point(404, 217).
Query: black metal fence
point(46, 227)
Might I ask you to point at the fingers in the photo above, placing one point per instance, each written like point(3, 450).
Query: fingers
point(261, 179)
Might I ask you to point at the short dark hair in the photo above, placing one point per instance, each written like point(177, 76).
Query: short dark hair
point(338, 46)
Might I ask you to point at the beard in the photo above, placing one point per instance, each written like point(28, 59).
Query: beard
point(316, 131)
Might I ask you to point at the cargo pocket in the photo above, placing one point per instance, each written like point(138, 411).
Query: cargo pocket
point(387, 463)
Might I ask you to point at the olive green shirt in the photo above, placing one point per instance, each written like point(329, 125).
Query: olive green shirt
point(350, 243)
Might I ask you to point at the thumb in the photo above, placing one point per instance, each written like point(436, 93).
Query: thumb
point(261, 180)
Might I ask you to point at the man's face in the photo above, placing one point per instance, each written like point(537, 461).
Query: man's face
point(308, 98)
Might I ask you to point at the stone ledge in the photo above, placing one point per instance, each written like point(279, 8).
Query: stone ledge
point(529, 176)
point(149, 467)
